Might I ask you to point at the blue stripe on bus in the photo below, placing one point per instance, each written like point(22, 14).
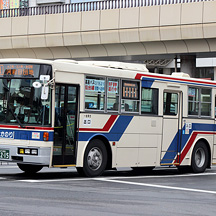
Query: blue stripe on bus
point(114, 134)
point(171, 153)
point(24, 134)
point(147, 83)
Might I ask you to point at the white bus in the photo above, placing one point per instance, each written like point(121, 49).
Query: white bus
point(101, 115)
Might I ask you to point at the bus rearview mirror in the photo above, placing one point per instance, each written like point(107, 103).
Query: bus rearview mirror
point(44, 92)
point(36, 85)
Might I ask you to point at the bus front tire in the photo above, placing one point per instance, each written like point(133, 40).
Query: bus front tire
point(29, 168)
point(95, 159)
point(200, 157)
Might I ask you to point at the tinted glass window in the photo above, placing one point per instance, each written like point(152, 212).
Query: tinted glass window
point(149, 101)
point(94, 93)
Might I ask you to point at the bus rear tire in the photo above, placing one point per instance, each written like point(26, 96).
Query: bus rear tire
point(95, 159)
point(29, 168)
point(200, 158)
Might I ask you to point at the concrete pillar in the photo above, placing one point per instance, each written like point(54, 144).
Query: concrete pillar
point(188, 64)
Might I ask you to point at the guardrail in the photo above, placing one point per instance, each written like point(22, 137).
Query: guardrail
point(88, 6)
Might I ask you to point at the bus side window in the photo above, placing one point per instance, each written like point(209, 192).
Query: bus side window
point(94, 93)
point(170, 103)
point(199, 101)
point(130, 96)
point(112, 94)
point(149, 101)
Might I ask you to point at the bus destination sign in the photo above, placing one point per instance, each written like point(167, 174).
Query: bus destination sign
point(130, 90)
point(19, 70)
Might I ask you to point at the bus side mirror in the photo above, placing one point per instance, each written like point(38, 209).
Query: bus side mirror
point(36, 85)
point(45, 88)
point(44, 92)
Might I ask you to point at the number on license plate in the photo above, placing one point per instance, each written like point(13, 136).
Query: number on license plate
point(4, 154)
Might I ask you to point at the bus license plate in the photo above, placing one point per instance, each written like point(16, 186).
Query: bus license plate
point(4, 154)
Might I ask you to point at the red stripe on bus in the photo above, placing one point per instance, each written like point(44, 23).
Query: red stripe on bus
point(189, 144)
point(139, 76)
point(26, 127)
point(106, 127)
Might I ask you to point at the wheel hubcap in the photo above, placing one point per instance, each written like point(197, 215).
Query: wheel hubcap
point(94, 158)
point(199, 157)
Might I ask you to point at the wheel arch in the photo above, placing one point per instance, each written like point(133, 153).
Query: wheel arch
point(108, 148)
point(208, 147)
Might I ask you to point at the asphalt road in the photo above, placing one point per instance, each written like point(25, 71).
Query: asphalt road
point(63, 192)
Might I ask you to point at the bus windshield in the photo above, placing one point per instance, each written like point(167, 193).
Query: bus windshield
point(20, 103)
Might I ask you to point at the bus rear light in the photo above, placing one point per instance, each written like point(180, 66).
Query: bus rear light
point(45, 136)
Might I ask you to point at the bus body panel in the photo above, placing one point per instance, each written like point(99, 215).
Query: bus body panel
point(134, 136)
point(136, 139)
point(192, 132)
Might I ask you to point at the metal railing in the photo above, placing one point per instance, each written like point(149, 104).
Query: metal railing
point(88, 6)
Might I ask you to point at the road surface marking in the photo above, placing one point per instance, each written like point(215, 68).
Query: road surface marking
point(161, 176)
point(156, 186)
point(54, 180)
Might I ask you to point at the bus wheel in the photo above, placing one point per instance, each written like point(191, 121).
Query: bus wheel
point(95, 159)
point(200, 157)
point(30, 169)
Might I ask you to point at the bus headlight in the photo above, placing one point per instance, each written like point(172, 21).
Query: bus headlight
point(34, 152)
point(27, 151)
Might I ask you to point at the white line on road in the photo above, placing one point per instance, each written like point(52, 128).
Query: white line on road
point(162, 176)
point(156, 186)
point(113, 178)
point(119, 177)
point(54, 180)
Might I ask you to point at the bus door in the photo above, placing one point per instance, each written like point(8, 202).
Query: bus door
point(171, 135)
point(65, 136)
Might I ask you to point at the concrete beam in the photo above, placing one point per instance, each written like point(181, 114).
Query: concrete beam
point(165, 30)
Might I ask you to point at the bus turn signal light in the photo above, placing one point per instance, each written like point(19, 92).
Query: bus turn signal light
point(45, 136)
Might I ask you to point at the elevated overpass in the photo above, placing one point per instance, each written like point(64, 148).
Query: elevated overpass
point(113, 29)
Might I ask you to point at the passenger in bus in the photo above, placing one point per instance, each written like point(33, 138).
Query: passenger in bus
point(126, 107)
point(89, 105)
point(115, 106)
point(20, 107)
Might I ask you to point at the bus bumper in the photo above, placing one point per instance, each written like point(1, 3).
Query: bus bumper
point(30, 155)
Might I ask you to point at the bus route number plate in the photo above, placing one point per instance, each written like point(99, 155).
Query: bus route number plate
point(4, 154)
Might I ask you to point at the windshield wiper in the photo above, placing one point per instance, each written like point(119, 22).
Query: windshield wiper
point(15, 116)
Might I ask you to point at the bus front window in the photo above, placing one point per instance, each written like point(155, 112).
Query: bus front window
point(21, 103)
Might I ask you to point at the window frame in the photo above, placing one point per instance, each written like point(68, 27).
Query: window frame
point(178, 103)
point(105, 94)
point(152, 102)
point(119, 94)
point(122, 108)
point(200, 102)
point(136, 102)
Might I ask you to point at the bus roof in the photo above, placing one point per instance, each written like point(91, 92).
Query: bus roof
point(131, 70)
point(116, 65)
